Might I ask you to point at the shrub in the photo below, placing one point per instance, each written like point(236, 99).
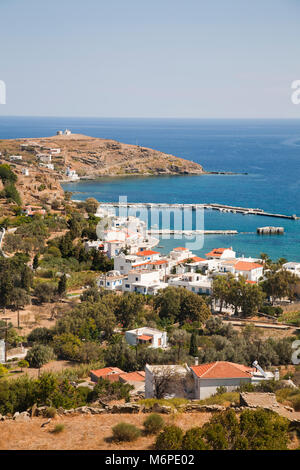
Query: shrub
point(169, 439)
point(40, 335)
point(296, 402)
point(193, 440)
point(58, 428)
point(153, 423)
point(50, 412)
point(39, 355)
point(221, 399)
point(125, 432)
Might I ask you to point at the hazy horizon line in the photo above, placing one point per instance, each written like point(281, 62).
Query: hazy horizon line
point(151, 117)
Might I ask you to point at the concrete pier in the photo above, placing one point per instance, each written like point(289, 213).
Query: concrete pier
point(194, 207)
point(191, 232)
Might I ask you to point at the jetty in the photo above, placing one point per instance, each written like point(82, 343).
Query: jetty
point(165, 231)
point(195, 207)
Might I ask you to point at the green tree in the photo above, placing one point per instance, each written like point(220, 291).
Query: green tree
point(23, 364)
point(193, 440)
point(6, 174)
point(62, 286)
point(39, 355)
point(169, 439)
point(255, 430)
point(129, 308)
point(168, 303)
point(11, 193)
point(3, 370)
point(91, 205)
point(279, 283)
point(192, 308)
point(26, 278)
point(193, 345)
point(251, 298)
point(45, 292)
point(19, 298)
point(35, 263)
point(221, 289)
point(101, 262)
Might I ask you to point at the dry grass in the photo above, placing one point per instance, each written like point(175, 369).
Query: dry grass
point(85, 432)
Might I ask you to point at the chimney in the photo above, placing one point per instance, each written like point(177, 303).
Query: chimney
point(196, 361)
point(276, 375)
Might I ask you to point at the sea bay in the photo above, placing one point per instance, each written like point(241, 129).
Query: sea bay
point(267, 150)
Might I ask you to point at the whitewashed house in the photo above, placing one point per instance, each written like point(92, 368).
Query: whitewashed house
point(15, 158)
point(143, 281)
point(150, 336)
point(44, 157)
point(148, 255)
point(180, 254)
point(193, 282)
point(209, 377)
point(71, 174)
point(292, 267)
point(125, 263)
point(112, 280)
point(54, 151)
point(253, 272)
point(221, 253)
point(204, 379)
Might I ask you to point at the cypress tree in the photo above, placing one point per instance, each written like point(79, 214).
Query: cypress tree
point(62, 285)
point(193, 345)
point(35, 263)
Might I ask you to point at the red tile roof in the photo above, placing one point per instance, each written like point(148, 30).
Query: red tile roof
point(147, 253)
point(140, 264)
point(145, 337)
point(106, 372)
point(137, 376)
point(221, 370)
point(180, 248)
point(246, 266)
point(158, 262)
point(216, 252)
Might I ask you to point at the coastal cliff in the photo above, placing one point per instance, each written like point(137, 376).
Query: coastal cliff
point(89, 157)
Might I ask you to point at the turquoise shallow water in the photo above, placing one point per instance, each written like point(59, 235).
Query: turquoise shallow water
point(269, 150)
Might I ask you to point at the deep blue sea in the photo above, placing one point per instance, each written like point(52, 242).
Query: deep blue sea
point(268, 150)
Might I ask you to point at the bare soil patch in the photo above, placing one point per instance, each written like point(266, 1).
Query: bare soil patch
point(88, 432)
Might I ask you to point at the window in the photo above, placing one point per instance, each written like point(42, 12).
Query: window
point(127, 286)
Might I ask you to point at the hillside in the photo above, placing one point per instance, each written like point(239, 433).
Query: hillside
point(90, 157)
point(93, 157)
point(84, 432)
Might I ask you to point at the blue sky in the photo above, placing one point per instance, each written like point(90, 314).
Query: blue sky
point(158, 58)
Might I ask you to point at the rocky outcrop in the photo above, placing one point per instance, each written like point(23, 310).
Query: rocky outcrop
point(195, 407)
point(24, 416)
